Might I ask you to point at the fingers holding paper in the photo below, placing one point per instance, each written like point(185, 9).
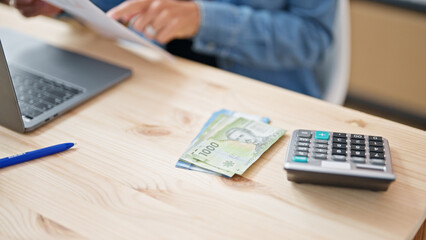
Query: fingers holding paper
point(161, 20)
point(129, 9)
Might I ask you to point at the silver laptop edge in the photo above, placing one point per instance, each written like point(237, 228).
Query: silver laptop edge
point(71, 69)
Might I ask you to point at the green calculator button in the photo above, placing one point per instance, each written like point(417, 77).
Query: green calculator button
point(300, 159)
point(320, 135)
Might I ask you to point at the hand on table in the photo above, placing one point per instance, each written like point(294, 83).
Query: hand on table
point(31, 8)
point(161, 20)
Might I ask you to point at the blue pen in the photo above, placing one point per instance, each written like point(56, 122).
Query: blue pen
point(24, 157)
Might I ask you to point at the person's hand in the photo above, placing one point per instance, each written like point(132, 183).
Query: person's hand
point(161, 20)
point(31, 8)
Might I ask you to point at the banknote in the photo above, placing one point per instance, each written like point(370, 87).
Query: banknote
point(219, 122)
point(232, 114)
point(235, 147)
point(190, 166)
point(193, 167)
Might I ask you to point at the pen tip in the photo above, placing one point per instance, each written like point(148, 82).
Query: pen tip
point(70, 144)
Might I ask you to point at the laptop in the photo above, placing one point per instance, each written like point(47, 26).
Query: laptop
point(39, 82)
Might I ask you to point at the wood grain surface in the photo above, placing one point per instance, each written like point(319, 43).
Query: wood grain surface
point(120, 182)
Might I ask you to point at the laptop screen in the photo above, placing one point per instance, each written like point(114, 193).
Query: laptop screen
point(10, 115)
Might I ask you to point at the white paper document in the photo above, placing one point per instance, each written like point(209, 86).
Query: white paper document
point(95, 18)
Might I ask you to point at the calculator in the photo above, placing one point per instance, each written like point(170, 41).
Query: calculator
point(339, 159)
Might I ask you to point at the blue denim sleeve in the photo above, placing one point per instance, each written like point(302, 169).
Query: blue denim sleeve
point(292, 38)
point(106, 5)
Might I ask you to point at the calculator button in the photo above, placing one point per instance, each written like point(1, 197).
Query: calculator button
point(377, 155)
point(357, 136)
point(358, 147)
point(320, 150)
point(321, 141)
point(339, 145)
point(370, 167)
point(305, 133)
point(339, 140)
point(357, 142)
point(336, 165)
point(358, 160)
point(321, 135)
point(301, 139)
point(376, 149)
point(338, 152)
point(303, 144)
point(340, 135)
point(320, 156)
point(377, 161)
point(320, 146)
point(375, 138)
point(302, 149)
point(356, 153)
point(299, 153)
point(300, 159)
point(339, 158)
point(376, 144)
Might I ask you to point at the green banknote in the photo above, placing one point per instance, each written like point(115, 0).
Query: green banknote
point(221, 121)
point(234, 147)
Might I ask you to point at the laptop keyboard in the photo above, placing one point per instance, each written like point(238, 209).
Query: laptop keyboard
point(37, 94)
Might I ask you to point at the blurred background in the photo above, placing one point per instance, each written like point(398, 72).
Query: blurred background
point(388, 60)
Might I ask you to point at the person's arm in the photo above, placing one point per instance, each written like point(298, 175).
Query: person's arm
point(32, 8)
point(292, 38)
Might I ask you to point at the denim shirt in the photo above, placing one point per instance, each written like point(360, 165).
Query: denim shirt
point(274, 41)
point(106, 5)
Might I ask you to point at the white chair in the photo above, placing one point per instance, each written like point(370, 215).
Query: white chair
point(333, 71)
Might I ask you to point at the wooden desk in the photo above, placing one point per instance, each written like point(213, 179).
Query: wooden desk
point(121, 181)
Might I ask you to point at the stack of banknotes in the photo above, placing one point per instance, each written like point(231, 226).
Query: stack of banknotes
point(229, 143)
